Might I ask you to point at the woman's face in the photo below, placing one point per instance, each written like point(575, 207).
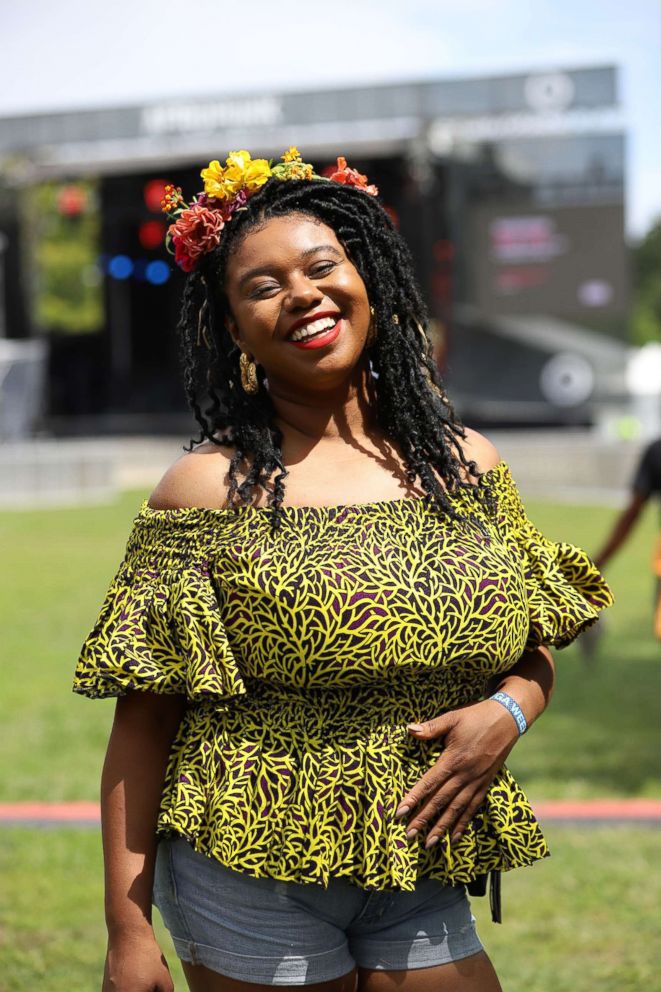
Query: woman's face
point(299, 306)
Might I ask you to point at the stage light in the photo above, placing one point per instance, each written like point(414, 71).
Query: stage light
point(151, 234)
point(157, 273)
point(71, 201)
point(153, 192)
point(120, 267)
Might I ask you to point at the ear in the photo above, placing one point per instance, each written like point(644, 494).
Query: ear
point(233, 330)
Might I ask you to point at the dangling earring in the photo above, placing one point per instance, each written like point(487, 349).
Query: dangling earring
point(249, 379)
point(371, 330)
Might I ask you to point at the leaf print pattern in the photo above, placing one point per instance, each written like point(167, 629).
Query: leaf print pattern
point(305, 654)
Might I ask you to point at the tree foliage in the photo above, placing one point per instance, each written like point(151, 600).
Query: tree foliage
point(63, 228)
point(646, 272)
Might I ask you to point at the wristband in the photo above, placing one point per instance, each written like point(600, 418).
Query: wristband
point(512, 707)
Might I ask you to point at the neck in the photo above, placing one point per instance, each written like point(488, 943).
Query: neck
point(342, 413)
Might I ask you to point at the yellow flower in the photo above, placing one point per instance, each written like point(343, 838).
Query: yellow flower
point(292, 155)
point(242, 172)
point(214, 181)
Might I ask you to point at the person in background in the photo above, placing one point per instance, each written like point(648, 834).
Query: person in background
point(646, 482)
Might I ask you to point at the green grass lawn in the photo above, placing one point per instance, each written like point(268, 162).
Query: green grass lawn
point(583, 920)
point(598, 738)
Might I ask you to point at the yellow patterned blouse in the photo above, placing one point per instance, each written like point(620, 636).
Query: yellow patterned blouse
point(305, 654)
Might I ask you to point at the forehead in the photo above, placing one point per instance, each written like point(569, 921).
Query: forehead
point(282, 239)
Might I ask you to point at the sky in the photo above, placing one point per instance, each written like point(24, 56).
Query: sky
point(73, 54)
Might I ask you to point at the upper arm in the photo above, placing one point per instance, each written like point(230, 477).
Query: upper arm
point(477, 448)
point(198, 478)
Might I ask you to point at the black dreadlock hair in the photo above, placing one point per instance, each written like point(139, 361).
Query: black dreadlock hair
point(412, 407)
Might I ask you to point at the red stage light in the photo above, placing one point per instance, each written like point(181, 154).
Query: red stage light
point(153, 193)
point(151, 234)
point(71, 201)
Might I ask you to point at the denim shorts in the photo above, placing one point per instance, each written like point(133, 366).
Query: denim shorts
point(286, 933)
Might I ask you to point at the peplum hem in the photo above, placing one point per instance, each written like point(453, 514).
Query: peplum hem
point(299, 845)
point(321, 803)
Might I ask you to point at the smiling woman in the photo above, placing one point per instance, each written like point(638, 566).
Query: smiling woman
point(332, 239)
point(299, 262)
point(330, 626)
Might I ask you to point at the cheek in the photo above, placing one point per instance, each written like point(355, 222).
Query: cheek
point(354, 288)
point(255, 321)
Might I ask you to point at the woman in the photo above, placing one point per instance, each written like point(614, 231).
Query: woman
point(330, 626)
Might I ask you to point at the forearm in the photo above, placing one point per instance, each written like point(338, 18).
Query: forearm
point(530, 682)
point(131, 787)
point(621, 530)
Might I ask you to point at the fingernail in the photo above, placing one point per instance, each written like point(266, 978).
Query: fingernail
point(415, 727)
point(411, 833)
point(431, 842)
point(402, 811)
point(457, 836)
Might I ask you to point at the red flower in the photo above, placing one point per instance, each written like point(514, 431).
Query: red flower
point(196, 231)
point(351, 177)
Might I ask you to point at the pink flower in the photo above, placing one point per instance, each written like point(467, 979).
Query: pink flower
point(195, 232)
point(235, 203)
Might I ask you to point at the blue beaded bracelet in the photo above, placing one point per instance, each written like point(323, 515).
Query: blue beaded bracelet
point(513, 707)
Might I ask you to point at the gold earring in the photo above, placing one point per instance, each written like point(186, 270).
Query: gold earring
point(248, 374)
point(371, 330)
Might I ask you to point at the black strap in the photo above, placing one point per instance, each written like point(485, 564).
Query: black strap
point(478, 887)
point(494, 897)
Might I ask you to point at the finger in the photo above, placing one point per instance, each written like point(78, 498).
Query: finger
point(453, 812)
point(434, 807)
point(426, 786)
point(460, 826)
point(439, 726)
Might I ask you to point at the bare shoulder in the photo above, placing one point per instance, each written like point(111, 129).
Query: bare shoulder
point(479, 449)
point(198, 478)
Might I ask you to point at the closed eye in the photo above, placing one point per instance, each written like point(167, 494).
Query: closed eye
point(262, 291)
point(322, 268)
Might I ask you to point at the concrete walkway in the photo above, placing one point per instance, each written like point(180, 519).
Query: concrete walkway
point(586, 812)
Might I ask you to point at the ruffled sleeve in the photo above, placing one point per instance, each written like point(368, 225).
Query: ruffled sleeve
point(566, 592)
point(160, 627)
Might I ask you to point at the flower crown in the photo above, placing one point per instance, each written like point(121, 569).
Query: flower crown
point(197, 227)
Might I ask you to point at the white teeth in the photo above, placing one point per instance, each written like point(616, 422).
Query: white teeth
point(316, 327)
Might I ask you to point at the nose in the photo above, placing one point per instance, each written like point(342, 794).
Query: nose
point(302, 293)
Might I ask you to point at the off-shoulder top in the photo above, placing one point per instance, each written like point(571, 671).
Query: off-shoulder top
point(305, 653)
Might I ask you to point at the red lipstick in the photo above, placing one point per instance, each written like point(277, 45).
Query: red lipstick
point(320, 340)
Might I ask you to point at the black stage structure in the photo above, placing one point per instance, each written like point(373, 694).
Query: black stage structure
point(508, 189)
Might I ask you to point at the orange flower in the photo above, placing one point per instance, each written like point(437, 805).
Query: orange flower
point(351, 177)
point(172, 199)
point(196, 231)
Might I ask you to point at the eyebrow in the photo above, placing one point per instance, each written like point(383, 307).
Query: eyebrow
point(266, 270)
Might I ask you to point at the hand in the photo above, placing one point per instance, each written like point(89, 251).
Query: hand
point(134, 963)
point(478, 739)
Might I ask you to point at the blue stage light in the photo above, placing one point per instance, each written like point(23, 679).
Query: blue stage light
point(120, 267)
point(157, 273)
